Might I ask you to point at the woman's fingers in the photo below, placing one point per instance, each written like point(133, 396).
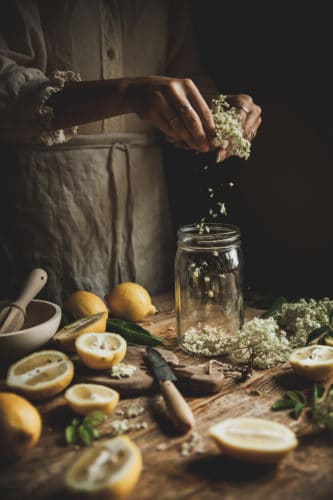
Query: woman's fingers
point(249, 113)
point(182, 98)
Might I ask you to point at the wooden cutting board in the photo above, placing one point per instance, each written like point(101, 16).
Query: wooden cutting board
point(200, 380)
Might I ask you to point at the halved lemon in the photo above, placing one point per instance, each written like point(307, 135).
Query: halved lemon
point(329, 340)
point(254, 439)
point(84, 398)
point(41, 374)
point(66, 336)
point(313, 362)
point(101, 351)
point(110, 469)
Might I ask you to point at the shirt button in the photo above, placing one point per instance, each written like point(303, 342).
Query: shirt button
point(111, 53)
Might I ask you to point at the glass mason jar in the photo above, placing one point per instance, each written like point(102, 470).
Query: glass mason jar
point(208, 287)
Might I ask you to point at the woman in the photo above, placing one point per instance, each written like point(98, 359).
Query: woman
point(83, 189)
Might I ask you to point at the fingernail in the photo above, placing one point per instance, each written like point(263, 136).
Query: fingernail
point(221, 155)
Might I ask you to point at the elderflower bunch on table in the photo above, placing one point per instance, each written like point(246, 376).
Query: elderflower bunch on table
point(228, 129)
point(260, 344)
point(300, 318)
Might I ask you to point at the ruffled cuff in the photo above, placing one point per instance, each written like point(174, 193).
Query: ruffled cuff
point(25, 116)
point(45, 112)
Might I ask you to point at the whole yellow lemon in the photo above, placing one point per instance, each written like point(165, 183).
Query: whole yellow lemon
point(130, 301)
point(83, 303)
point(20, 425)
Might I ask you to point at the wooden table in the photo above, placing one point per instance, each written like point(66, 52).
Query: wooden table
point(304, 474)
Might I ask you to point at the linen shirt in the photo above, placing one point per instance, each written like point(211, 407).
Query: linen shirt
point(88, 204)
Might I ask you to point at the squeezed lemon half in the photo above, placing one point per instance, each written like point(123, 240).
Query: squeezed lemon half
point(313, 362)
point(110, 469)
point(41, 374)
point(84, 398)
point(101, 351)
point(253, 439)
point(68, 334)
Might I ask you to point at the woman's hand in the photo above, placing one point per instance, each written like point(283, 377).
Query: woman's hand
point(176, 107)
point(250, 117)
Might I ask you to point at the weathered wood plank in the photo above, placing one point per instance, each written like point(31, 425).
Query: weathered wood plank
point(306, 473)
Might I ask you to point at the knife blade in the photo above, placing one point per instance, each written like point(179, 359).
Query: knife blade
point(179, 410)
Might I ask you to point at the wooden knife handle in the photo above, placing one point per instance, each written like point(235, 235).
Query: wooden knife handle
point(179, 411)
point(33, 285)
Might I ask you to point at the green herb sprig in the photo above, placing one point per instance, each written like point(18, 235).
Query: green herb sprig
point(293, 400)
point(318, 335)
point(320, 411)
point(322, 407)
point(84, 431)
point(132, 332)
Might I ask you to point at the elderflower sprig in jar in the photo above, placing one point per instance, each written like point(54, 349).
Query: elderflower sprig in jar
point(228, 129)
point(208, 280)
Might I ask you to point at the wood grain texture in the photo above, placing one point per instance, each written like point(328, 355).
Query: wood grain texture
point(305, 474)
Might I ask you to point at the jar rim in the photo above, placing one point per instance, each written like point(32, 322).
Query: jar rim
point(226, 232)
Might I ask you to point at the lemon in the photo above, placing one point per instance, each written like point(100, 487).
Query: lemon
point(68, 334)
point(83, 303)
point(41, 374)
point(254, 439)
point(329, 341)
point(84, 398)
point(20, 425)
point(110, 469)
point(313, 362)
point(101, 351)
point(130, 301)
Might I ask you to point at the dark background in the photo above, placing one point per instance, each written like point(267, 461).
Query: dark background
point(280, 54)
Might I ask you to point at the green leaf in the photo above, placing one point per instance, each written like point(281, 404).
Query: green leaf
point(283, 404)
point(298, 410)
point(94, 418)
point(76, 422)
point(275, 307)
point(96, 434)
point(317, 393)
point(71, 434)
point(132, 332)
point(296, 396)
point(318, 334)
point(85, 434)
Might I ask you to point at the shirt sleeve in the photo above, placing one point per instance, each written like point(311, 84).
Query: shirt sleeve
point(25, 117)
point(183, 58)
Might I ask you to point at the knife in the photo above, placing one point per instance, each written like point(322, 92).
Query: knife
point(179, 411)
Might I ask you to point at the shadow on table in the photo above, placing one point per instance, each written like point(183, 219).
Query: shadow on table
point(217, 468)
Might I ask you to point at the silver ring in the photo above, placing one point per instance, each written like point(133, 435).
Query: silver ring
point(184, 109)
point(244, 108)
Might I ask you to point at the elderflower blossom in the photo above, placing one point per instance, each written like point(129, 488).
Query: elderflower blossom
point(302, 317)
point(260, 343)
point(228, 128)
